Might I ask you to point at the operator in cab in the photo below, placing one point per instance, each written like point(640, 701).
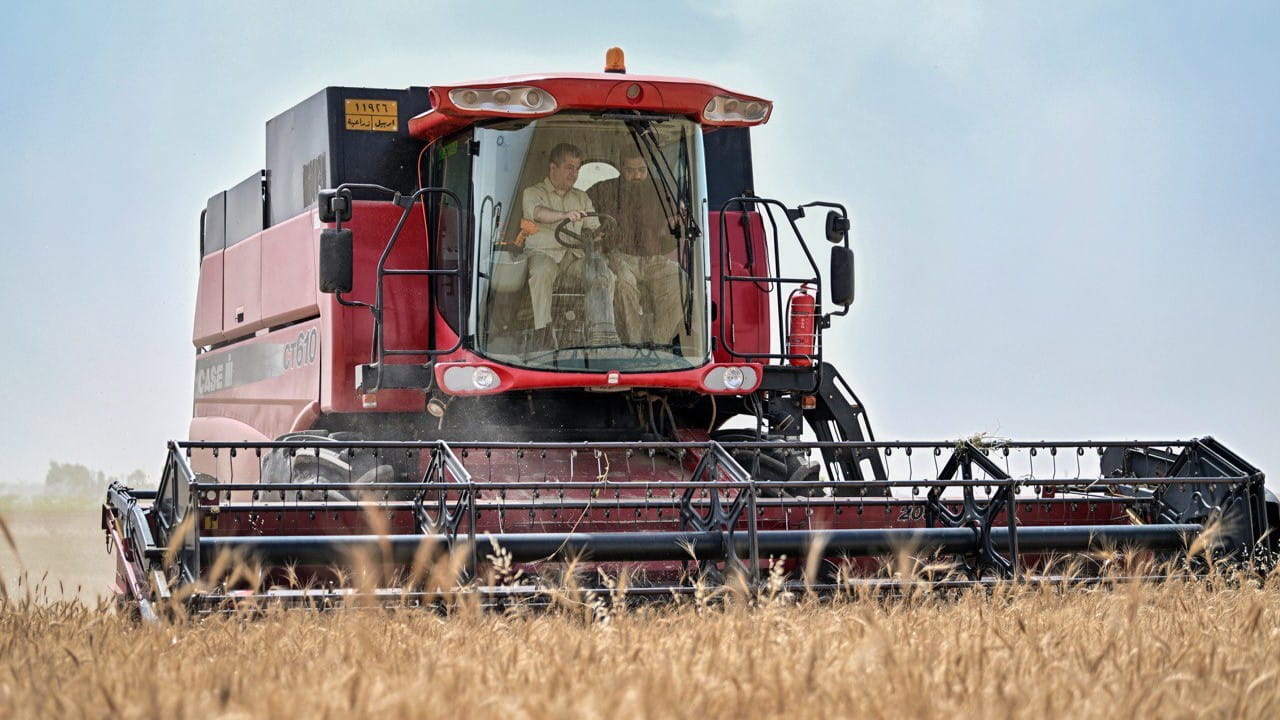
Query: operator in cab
point(549, 203)
point(639, 252)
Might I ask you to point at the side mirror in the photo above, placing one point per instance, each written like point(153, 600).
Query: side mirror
point(842, 276)
point(334, 205)
point(837, 227)
point(335, 260)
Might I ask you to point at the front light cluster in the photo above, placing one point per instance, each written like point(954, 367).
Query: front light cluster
point(729, 109)
point(519, 99)
point(470, 379)
point(731, 378)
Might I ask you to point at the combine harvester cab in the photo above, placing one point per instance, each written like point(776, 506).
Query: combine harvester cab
point(545, 320)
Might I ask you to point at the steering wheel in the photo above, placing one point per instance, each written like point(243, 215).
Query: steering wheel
point(580, 241)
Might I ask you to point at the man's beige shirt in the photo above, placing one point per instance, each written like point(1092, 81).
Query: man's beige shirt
point(544, 194)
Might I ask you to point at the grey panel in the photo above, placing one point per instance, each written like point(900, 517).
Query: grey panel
point(246, 208)
point(213, 236)
point(298, 156)
point(310, 147)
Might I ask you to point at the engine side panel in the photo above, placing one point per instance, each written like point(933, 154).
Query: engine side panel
point(289, 271)
point(207, 329)
point(242, 269)
point(264, 383)
point(242, 288)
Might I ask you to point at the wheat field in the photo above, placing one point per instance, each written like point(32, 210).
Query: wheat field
point(1208, 648)
point(1202, 649)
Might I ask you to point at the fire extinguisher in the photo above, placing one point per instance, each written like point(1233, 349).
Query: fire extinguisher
point(802, 318)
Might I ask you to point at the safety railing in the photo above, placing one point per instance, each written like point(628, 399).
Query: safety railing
point(769, 210)
point(374, 375)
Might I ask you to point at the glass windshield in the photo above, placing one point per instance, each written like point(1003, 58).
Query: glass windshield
point(590, 243)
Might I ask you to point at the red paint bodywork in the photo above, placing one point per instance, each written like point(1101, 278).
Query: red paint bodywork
point(261, 292)
point(347, 332)
point(207, 329)
point(740, 310)
point(268, 293)
point(278, 290)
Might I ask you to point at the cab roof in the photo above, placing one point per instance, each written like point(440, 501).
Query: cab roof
point(582, 91)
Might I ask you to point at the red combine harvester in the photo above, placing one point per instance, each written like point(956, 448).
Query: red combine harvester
point(550, 314)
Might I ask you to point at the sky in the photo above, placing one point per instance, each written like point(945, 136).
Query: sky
point(1065, 215)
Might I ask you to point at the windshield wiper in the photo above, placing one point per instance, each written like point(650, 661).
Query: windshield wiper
point(691, 234)
point(647, 145)
point(646, 351)
point(676, 195)
point(637, 115)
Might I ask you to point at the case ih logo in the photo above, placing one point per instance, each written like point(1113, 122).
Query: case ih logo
point(214, 377)
point(303, 350)
point(253, 363)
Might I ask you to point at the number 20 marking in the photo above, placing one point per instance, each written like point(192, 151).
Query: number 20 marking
point(911, 512)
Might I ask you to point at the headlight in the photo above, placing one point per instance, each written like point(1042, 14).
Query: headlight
point(729, 109)
point(518, 99)
point(733, 378)
point(484, 378)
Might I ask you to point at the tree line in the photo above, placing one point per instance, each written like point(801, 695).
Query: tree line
point(76, 479)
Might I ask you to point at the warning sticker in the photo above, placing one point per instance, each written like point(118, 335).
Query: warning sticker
point(373, 115)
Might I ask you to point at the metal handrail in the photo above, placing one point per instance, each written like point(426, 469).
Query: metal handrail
point(378, 308)
point(748, 204)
